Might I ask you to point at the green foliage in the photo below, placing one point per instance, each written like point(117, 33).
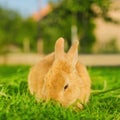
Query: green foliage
point(14, 29)
point(17, 103)
point(73, 12)
point(66, 13)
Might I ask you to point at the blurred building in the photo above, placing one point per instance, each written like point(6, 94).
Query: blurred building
point(107, 33)
point(42, 13)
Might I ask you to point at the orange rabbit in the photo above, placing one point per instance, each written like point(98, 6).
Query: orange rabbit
point(61, 77)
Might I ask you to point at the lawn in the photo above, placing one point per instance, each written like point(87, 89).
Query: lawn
point(16, 102)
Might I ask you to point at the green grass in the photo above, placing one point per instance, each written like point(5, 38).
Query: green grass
point(16, 102)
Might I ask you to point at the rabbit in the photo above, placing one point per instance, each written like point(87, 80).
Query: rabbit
point(60, 76)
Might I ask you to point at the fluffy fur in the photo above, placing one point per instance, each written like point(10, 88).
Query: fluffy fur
point(60, 76)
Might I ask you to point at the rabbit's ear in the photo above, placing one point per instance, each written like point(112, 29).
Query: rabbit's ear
point(73, 53)
point(59, 48)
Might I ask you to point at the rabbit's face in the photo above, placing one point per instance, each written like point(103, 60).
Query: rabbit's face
point(62, 83)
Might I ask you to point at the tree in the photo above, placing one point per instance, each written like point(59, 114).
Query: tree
point(73, 12)
point(14, 29)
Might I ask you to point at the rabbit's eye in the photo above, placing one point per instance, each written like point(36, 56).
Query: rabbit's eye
point(65, 87)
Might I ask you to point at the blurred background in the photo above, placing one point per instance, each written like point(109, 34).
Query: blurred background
point(31, 27)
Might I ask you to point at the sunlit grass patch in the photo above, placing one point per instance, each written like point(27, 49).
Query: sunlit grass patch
point(17, 103)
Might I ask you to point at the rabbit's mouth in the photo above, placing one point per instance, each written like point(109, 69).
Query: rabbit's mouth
point(67, 103)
